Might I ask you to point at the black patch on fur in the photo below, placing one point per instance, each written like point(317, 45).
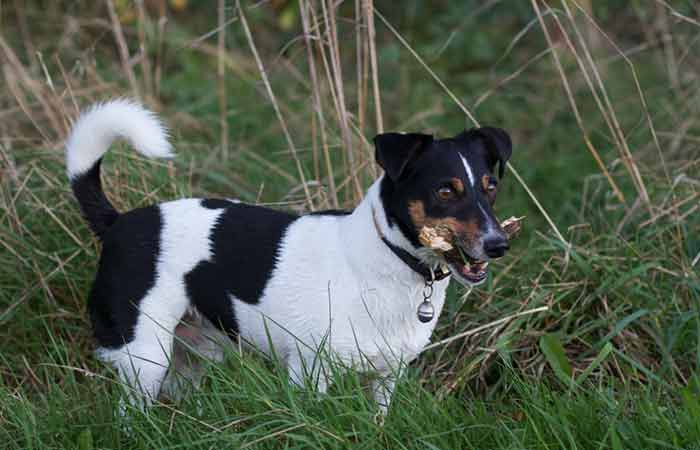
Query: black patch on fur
point(395, 151)
point(396, 211)
point(245, 244)
point(215, 203)
point(97, 210)
point(127, 271)
point(496, 143)
point(331, 212)
point(210, 298)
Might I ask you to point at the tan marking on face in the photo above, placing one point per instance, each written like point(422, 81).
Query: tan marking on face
point(416, 210)
point(457, 185)
point(485, 181)
point(471, 231)
point(448, 228)
point(467, 232)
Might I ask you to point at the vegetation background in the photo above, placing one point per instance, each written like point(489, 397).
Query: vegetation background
point(586, 336)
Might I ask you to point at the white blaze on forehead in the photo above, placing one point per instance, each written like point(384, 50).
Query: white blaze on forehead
point(489, 226)
point(468, 168)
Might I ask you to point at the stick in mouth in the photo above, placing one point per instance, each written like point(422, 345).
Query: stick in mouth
point(512, 226)
point(440, 239)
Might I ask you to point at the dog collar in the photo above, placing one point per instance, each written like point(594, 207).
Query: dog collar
point(426, 312)
point(418, 266)
point(428, 273)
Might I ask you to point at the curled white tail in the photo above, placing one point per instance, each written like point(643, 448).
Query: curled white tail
point(89, 141)
point(100, 125)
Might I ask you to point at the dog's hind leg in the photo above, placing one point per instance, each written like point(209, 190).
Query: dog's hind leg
point(197, 342)
point(143, 363)
point(142, 366)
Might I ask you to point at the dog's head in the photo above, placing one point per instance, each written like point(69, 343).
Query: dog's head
point(447, 188)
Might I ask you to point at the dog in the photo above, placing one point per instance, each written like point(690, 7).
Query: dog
point(359, 285)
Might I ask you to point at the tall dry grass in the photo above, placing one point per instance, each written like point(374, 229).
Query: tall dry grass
point(43, 93)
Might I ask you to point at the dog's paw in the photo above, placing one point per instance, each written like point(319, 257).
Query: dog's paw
point(380, 415)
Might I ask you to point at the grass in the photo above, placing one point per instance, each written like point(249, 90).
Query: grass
point(612, 362)
point(246, 404)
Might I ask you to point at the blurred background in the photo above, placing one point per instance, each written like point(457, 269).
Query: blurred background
point(276, 102)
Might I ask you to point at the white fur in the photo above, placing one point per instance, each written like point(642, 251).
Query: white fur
point(468, 169)
point(100, 125)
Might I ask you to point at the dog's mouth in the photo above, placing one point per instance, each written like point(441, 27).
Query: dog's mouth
point(466, 269)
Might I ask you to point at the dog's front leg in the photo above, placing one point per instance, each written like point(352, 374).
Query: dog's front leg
point(300, 366)
point(382, 391)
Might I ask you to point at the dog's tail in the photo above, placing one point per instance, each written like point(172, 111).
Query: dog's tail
point(90, 139)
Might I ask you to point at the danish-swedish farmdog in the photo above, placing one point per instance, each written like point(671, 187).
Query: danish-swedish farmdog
point(354, 283)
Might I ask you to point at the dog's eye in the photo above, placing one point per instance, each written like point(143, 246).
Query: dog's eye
point(446, 193)
point(491, 185)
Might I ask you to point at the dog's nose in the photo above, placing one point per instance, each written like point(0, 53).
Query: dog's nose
point(495, 246)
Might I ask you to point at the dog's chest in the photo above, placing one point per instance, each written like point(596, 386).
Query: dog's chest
point(361, 311)
point(394, 331)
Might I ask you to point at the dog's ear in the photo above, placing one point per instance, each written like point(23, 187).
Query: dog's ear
point(394, 151)
point(497, 144)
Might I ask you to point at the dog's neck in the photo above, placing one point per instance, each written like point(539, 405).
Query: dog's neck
point(364, 229)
